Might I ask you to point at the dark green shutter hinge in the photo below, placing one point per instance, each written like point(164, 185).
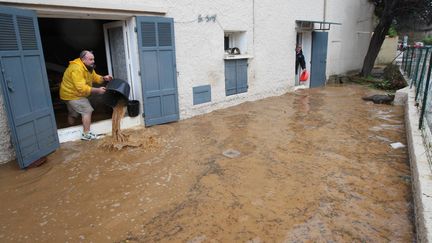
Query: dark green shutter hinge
point(135, 29)
point(139, 72)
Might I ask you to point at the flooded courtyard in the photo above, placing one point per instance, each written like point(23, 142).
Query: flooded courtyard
point(309, 166)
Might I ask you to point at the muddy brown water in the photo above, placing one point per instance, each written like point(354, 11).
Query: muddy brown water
point(313, 165)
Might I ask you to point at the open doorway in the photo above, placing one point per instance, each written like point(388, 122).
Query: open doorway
point(303, 39)
point(299, 42)
point(62, 41)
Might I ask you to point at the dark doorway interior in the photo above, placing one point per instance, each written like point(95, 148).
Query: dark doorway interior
point(62, 41)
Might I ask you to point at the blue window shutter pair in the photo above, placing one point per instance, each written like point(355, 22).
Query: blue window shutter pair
point(236, 76)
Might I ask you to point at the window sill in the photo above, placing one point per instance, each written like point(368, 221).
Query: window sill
point(231, 57)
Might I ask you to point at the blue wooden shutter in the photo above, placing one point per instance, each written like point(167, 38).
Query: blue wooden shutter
point(236, 80)
point(242, 84)
point(158, 69)
point(319, 59)
point(25, 87)
point(230, 77)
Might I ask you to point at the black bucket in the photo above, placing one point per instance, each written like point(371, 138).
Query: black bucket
point(116, 90)
point(133, 108)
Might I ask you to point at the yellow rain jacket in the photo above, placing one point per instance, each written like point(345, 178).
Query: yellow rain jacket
point(77, 81)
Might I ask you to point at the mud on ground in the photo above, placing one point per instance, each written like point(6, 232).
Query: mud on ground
point(314, 165)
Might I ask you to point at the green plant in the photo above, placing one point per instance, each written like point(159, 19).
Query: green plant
point(384, 84)
point(370, 78)
point(428, 40)
point(392, 32)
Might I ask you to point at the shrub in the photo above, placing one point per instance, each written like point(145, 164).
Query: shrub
point(428, 40)
point(393, 79)
point(392, 32)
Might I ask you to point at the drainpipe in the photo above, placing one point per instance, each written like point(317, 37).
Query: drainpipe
point(324, 10)
point(253, 27)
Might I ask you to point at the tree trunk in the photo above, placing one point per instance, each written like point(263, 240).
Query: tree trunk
point(378, 37)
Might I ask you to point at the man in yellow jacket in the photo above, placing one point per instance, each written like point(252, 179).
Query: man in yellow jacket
point(76, 86)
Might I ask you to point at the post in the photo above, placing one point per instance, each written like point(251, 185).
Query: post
point(411, 61)
point(422, 74)
point(406, 59)
point(417, 68)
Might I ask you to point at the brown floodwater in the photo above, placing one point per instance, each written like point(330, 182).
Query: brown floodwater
point(312, 165)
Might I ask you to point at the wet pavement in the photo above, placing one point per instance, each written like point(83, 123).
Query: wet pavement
point(312, 165)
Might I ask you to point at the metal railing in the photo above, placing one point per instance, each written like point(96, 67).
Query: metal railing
point(417, 66)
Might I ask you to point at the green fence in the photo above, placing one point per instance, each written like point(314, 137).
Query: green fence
point(416, 65)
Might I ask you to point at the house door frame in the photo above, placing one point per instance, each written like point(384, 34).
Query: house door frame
point(74, 133)
point(305, 40)
point(122, 48)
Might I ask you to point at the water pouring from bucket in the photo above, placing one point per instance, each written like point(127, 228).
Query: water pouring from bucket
point(117, 97)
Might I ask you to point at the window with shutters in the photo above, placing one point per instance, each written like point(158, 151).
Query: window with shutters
point(236, 80)
point(236, 62)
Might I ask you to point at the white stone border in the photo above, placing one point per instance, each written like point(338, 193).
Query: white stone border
point(421, 176)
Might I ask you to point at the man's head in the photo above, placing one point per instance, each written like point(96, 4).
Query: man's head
point(87, 58)
point(298, 48)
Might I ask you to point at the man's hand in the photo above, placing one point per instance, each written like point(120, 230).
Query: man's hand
point(100, 90)
point(107, 78)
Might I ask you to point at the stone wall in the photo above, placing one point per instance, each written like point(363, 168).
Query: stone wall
point(7, 152)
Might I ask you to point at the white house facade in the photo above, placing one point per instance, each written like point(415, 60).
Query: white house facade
point(182, 58)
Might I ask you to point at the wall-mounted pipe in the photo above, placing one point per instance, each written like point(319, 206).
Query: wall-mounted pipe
point(325, 10)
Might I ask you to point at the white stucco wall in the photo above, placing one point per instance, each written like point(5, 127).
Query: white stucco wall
point(388, 51)
point(200, 49)
point(348, 42)
point(270, 38)
point(6, 150)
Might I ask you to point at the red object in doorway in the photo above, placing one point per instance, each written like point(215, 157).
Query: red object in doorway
point(304, 75)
